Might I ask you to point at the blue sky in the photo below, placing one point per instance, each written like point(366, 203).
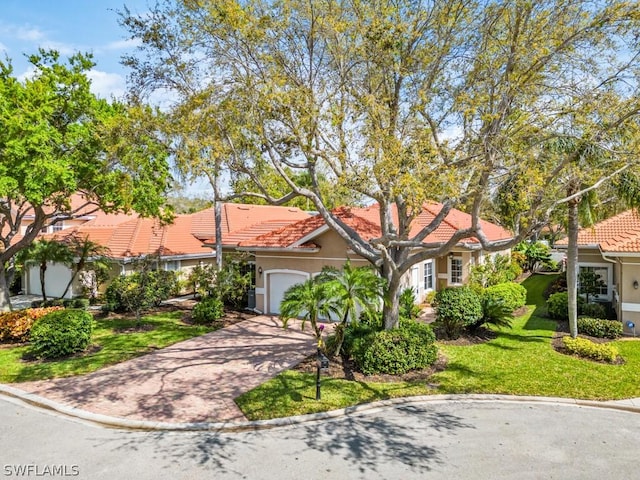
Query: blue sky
point(70, 26)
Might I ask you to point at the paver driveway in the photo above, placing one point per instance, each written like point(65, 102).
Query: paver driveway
point(191, 381)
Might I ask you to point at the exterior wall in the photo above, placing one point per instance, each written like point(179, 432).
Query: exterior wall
point(333, 252)
point(629, 305)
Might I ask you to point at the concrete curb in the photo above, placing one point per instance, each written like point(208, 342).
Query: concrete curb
point(127, 424)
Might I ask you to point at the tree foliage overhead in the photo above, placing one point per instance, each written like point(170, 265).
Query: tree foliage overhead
point(58, 139)
point(406, 102)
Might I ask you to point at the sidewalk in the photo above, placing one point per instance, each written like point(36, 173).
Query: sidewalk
point(191, 381)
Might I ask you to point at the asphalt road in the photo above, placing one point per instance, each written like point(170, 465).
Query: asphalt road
point(460, 440)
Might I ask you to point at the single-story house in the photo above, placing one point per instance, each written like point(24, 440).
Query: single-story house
point(611, 248)
point(298, 251)
point(179, 245)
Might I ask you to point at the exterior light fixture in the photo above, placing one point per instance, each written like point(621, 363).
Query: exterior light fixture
point(260, 272)
point(635, 284)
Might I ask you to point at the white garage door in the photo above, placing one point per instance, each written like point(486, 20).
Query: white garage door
point(55, 280)
point(278, 283)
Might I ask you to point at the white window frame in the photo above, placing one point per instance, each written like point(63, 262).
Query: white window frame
point(57, 227)
point(608, 279)
point(428, 279)
point(451, 279)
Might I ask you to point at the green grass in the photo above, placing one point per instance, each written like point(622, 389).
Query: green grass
point(520, 361)
point(115, 347)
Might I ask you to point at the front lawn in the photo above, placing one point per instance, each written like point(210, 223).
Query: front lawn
point(114, 340)
point(520, 361)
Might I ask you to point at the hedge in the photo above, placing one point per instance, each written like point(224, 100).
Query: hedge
point(596, 327)
point(16, 326)
point(512, 295)
point(584, 348)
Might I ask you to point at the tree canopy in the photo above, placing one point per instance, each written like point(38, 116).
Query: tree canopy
point(406, 102)
point(57, 139)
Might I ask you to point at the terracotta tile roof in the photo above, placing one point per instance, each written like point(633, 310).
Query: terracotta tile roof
point(237, 217)
point(620, 233)
point(288, 236)
point(129, 235)
point(365, 221)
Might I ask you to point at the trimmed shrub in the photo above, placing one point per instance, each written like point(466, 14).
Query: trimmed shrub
point(397, 351)
point(584, 348)
point(596, 327)
point(558, 305)
point(16, 326)
point(139, 291)
point(61, 333)
point(511, 295)
point(356, 331)
point(593, 310)
point(81, 303)
point(456, 309)
point(207, 310)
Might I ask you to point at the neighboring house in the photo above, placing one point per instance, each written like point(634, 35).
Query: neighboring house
point(299, 251)
point(179, 245)
point(611, 248)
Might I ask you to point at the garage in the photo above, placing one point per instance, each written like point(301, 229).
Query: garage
point(278, 283)
point(56, 278)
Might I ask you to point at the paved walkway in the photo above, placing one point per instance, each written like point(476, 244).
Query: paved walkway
point(191, 381)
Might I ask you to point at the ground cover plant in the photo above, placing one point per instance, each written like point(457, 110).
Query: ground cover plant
point(519, 361)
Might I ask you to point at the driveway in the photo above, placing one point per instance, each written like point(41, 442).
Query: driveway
point(191, 381)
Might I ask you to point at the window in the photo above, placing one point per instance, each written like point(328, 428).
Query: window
point(603, 273)
point(172, 265)
point(428, 275)
point(57, 227)
point(456, 270)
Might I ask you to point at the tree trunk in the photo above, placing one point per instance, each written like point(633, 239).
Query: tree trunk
point(218, 220)
point(391, 309)
point(572, 266)
point(5, 296)
point(43, 271)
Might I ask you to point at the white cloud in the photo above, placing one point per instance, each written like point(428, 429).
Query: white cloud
point(27, 33)
point(28, 74)
point(107, 85)
point(122, 44)
point(62, 48)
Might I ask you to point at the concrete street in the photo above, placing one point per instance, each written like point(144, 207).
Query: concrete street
point(452, 439)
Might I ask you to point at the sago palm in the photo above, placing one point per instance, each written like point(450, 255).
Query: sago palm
point(309, 301)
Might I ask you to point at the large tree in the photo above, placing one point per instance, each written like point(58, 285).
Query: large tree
point(406, 102)
point(57, 139)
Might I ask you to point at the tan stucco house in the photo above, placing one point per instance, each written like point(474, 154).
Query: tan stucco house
point(611, 248)
point(299, 251)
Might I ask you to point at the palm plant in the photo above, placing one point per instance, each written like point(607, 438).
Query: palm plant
point(352, 291)
point(309, 301)
point(44, 252)
point(83, 249)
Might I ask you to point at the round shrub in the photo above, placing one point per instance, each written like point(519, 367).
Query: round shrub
point(512, 295)
point(593, 310)
point(558, 306)
point(61, 333)
point(457, 308)
point(409, 347)
point(207, 310)
point(596, 327)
